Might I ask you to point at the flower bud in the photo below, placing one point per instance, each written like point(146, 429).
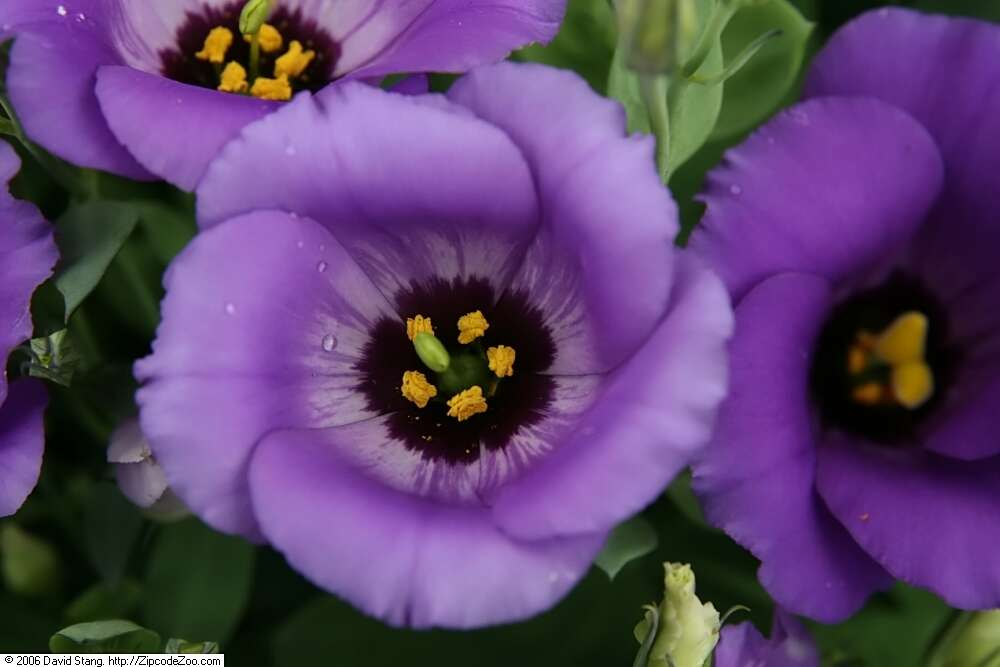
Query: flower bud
point(657, 34)
point(688, 630)
point(139, 476)
point(973, 639)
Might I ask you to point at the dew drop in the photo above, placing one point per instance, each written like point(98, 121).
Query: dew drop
point(300, 244)
point(230, 309)
point(81, 17)
point(61, 10)
point(735, 190)
point(322, 266)
point(329, 343)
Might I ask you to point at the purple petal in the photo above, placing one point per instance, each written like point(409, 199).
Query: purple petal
point(756, 479)
point(582, 159)
point(27, 254)
point(407, 561)
point(830, 186)
point(174, 129)
point(143, 483)
point(414, 84)
point(50, 80)
point(789, 645)
point(930, 521)
point(128, 444)
point(254, 339)
point(653, 416)
point(447, 35)
point(22, 439)
point(414, 187)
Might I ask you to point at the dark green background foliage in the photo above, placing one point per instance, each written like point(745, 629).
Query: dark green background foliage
point(183, 580)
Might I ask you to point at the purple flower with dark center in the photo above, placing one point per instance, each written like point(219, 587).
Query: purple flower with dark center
point(857, 233)
point(788, 646)
point(434, 348)
point(27, 255)
point(133, 86)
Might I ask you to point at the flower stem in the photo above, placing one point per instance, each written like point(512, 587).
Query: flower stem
point(254, 56)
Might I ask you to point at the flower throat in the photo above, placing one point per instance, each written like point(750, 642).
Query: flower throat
point(291, 53)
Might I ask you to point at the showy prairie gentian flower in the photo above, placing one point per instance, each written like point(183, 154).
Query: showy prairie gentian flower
point(788, 646)
point(434, 348)
point(858, 233)
point(27, 255)
point(134, 85)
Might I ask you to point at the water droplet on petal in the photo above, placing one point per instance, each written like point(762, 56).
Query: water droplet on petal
point(230, 309)
point(329, 343)
point(81, 17)
point(300, 244)
point(735, 190)
point(61, 10)
point(321, 267)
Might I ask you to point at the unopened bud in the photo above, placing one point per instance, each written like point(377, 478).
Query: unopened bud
point(688, 630)
point(657, 34)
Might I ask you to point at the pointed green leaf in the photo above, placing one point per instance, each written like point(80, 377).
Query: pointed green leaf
point(105, 637)
point(628, 541)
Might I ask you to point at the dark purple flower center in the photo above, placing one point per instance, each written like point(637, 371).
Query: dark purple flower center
point(856, 396)
point(514, 402)
point(182, 64)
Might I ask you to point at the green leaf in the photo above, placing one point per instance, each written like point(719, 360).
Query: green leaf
point(30, 565)
point(111, 525)
point(650, 624)
point(760, 87)
point(584, 44)
point(168, 228)
point(628, 541)
point(986, 10)
point(89, 236)
point(104, 600)
point(175, 645)
point(105, 637)
point(198, 582)
point(54, 358)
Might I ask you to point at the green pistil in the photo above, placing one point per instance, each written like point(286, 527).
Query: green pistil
point(432, 352)
point(465, 370)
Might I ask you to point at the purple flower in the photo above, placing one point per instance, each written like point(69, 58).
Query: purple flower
point(789, 645)
point(284, 397)
point(130, 86)
point(857, 232)
point(27, 255)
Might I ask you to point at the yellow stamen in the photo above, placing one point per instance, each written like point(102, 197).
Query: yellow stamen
point(418, 324)
point(912, 384)
point(234, 78)
point(857, 359)
point(294, 62)
point(869, 393)
point(417, 389)
point(904, 340)
point(471, 326)
point(466, 404)
point(269, 37)
point(501, 360)
point(272, 89)
point(216, 44)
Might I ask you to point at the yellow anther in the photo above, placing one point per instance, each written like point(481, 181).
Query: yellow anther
point(272, 89)
point(912, 384)
point(234, 78)
point(501, 360)
point(857, 359)
point(269, 38)
point(418, 324)
point(417, 389)
point(471, 326)
point(904, 340)
point(216, 44)
point(869, 393)
point(294, 62)
point(466, 404)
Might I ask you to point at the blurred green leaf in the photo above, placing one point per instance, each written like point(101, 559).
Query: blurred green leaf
point(26, 626)
point(762, 84)
point(89, 236)
point(103, 601)
point(168, 228)
point(111, 525)
point(630, 540)
point(585, 43)
point(894, 628)
point(30, 565)
point(198, 582)
point(105, 637)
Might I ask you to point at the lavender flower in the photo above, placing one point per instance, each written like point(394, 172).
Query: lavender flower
point(27, 254)
point(434, 348)
point(857, 232)
point(176, 80)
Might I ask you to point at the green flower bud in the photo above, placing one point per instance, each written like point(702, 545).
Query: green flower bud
point(30, 566)
point(432, 352)
point(973, 640)
point(688, 630)
point(657, 34)
point(253, 16)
